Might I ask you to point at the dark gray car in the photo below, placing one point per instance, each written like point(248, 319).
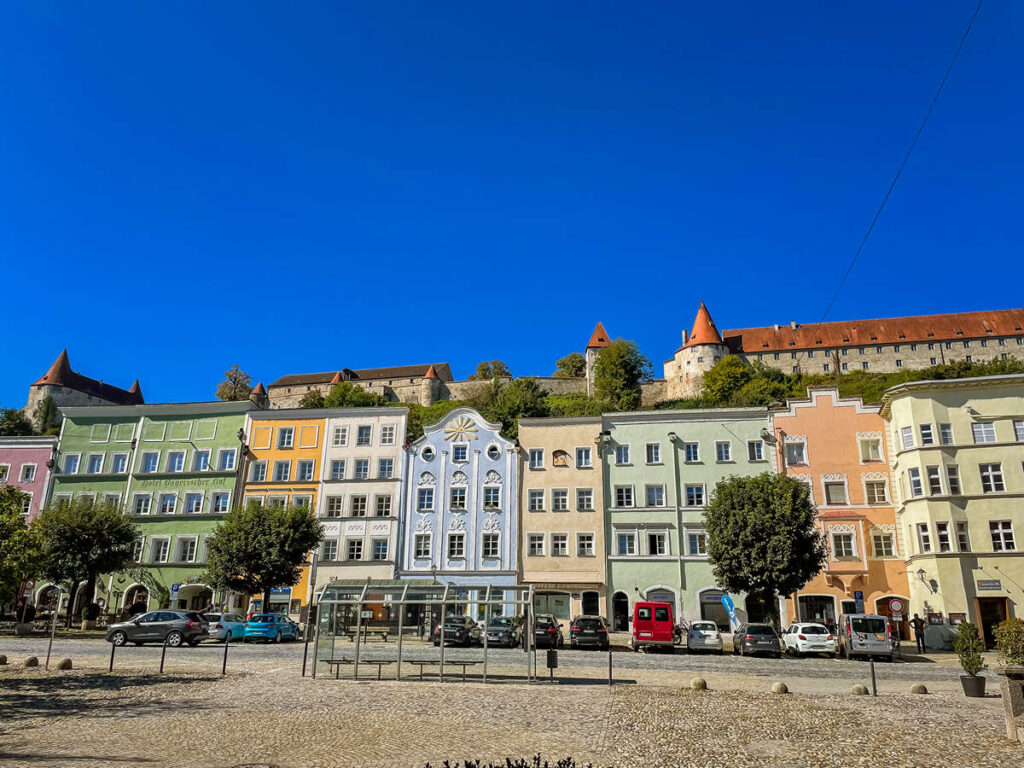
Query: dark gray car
point(756, 638)
point(174, 627)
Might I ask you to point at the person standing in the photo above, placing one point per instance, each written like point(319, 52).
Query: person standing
point(919, 625)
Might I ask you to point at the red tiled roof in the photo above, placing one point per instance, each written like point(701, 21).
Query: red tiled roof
point(839, 513)
point(260, 389)
point(431, 373)
point(893, 330)
point(704, 330)
point(599, 338)
point(442, 370)
point(61, 375)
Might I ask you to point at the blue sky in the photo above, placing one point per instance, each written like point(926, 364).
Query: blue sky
point(300, 187)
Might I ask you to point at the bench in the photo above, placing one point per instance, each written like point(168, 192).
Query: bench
point(337, 664)
point(447, 662)
point(348, 632)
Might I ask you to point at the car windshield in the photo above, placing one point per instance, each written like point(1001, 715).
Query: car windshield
point(265, 618)
point(588, 623)
point(545, 620)
point(876, 626)
point(501, 621)
point(814, 629)
point(191, 616)
point(213, 617)
point(764, 629)
point(706, 626)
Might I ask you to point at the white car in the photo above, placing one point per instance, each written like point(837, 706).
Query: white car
point(804, 638)
point(222, 623)
point(704, 636)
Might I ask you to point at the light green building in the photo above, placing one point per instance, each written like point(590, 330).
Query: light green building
point(173, 468)
point(660, 468)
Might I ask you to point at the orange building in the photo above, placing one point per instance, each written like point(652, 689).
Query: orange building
point(838, 446)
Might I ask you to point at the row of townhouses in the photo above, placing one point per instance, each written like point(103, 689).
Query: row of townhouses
point(919, 497)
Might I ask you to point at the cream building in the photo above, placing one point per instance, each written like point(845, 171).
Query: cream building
point(562, 512)
point(957, 453)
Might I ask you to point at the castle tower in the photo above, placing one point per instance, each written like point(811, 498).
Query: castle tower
point(430, 386)
point(598, 341)
point(259, 396)
point(701, 349)
point(66, 387)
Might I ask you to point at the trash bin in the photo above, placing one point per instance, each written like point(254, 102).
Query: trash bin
point(552, 659)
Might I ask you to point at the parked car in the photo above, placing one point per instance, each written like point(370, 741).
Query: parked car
point(588, 630)
point(458, 629)
point(272, 627)
point(865, 635)
point(547, 631)
point(801, 638)
point(172, 627)
point(756, 638)
point(222, 623)
point(653, 626)
point(704, 636)
point(503, 630)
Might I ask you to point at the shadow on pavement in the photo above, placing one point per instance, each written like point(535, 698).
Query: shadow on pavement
point(66, 759)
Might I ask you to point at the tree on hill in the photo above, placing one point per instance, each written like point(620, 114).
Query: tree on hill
point(572, 366)
point(763, 537)
point(618, 371)
point(577, 404)
point(14, 422)
point(19, 553)
point(81, 540)
point(345, 394)
point(495, 369)
point(312, 399)
point(237, 385)
point(425, 415)
point(508, 401)
point(258, 548)
point(47, 416)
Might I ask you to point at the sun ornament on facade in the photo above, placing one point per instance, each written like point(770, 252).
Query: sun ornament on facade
point(460, 430)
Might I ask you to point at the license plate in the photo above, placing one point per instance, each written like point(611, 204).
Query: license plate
point(645, 634)
point(879, 638)
point(589, 631)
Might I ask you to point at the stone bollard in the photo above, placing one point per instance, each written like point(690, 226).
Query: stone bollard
point(919, 688)
point(860, 690)
point(699, 684)
point(3, 660)
point(1011, 684)
point(780, 687)
point(31, 661)
point(64, 664)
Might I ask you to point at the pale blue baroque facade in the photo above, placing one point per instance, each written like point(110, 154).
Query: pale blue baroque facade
point(459, 520)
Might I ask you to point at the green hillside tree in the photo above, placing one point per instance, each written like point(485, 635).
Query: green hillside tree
point(572, 366)
point(618, 371)
point(237, 385)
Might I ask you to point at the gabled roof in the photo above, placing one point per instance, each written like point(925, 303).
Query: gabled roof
point(61, 375)
point(599, 338)
point(704, 330)
point(891, 330)
point(443, 371)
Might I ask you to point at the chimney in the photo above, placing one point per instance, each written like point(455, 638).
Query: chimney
point(684, 337)
point(792, 324)
point(776, 327)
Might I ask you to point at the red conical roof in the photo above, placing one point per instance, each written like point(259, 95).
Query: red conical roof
point(599, 338)
point(431, 373)
point(259, 390)
point(337, 378)
point(60, 372)
point(136, 391)
point(704, 330)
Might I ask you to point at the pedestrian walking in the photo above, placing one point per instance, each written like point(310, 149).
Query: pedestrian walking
point(919, 624)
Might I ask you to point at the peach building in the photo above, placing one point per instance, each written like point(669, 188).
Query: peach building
point(838, 446)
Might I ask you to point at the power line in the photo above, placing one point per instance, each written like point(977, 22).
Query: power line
point(906, 157)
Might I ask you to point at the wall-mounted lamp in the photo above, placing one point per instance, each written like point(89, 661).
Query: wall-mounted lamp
point(926, 582)
point(673, 436)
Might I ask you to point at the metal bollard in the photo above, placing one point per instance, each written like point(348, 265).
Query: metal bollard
point(874, 687)
point(227, 642)
point(112, 649)
point(163, 653)
point(609, 666)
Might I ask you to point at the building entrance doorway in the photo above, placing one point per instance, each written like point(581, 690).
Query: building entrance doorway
point(591, 604)
point(620, 612)
point(991, 611)
point(882, 609)
point(555, 603)
point(818, 608)
point(712, 609)
point(759, 610)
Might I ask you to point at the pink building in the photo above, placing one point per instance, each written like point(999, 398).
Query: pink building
point(23, 464)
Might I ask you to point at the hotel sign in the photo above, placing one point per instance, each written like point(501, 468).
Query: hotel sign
point(989, 585)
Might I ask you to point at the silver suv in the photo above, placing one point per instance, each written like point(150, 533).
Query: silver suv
point(172, 627)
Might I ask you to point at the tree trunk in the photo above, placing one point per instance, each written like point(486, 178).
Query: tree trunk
point(266, 601)
point(71, 604)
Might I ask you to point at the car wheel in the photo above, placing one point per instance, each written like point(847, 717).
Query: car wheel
point(174, 639)
point(277, 637)
point(119, 638)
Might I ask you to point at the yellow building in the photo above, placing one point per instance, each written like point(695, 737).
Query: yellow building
point(283, 467)
point(957, 453)
point(562, 513)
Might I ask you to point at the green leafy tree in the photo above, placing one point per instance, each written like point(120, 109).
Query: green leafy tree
point(81, 540)
point(47, 416)
point(312, 399)
point(487, 370)
point(508, 401)
point(345, 394)
point(724, 379)
point(237, 385)
point(572, 366)
point(763, 537)
point(14, 422)
point(618, 371)
point(969, 647)
point(256, 549)
point(424, 415)
point(19, 553)
point(577, 404)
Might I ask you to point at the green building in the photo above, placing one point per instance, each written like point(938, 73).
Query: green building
point(174, 469)
point(660, 468)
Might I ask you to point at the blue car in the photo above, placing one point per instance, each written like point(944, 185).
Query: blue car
point(272, 627)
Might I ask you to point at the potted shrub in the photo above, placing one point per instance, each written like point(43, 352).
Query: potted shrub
point(90, 613)
point(969, 648)
point(1010, 642)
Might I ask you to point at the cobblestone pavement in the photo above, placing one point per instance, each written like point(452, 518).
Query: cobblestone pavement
point(269, 714)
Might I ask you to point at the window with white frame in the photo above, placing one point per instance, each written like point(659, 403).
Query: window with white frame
point(691, 452)
point(655, 495)
point(26, 503)
point(89, 498)
point(71, 464)
point(362, 469)
point(953, 479)
point(875, 492)
point(304, 470)
point(698, 543)
point(535, 544)
point(695, 495)
point(357, 505)
point(842, 545)
point(337, 469)
point(583, 458)
point(220, 501)
point(492, 497)
point(137, 548)
point(425, 500)
point(302, 500)
point(187, 550)
point(387, 434)
point(653, 453)
point(193, 503)
point(354, 549)
point(882, 544)
point(924, 538)
point(385, 469)
point(870, 450)
point(536, 458)
point(624, 496)
point(489, 546)
point(258, 472)
point(276, 501)
point(159, 550)
point(585, 545)
point(934, 478)
point(723, 450)
point(963, 537)
point(625, 544)
point(285, 437)
point(622, 454)
point(114, 499)
point(946, 434)
point(226, 460)
point(457, 498)
point(141, 503)
point(282, 471)
point(535, 500)
point(382, 505)
point(421, 545)
point(796, 453)
point(755, 450)
point(460, 453)
point(559, 545)
point(942, 537)
point(927, 436)
point(339, 437)
point(584, 499)
point(1018, 430)
point(175, 461)
point(456, 545)
point(992, 478)
point(168, 503)
point(201, 461)
point(334, 506)
point(380, 549)
point(1002, 536)
point(559, 500)
point(835, 492)
point(657, 543)
point(914, 476)
point(329, 550)
point(94, 464)
point(983, 431)
point(5, 472)
point(907, 435)
point(364, 434)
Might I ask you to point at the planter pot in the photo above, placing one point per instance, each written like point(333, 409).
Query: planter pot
point(87, 624)
point(1011, 683)
point(974, 686)
point(22, 630)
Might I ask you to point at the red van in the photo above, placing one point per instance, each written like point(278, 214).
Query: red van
point(653, 624)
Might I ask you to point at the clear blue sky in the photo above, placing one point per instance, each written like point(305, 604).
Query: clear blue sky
point(300, 187)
